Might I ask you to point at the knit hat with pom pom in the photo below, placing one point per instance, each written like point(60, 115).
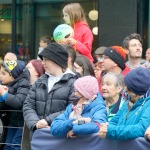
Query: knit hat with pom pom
point(117, 54)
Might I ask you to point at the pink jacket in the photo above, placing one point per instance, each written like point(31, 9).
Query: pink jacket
point(84, 38)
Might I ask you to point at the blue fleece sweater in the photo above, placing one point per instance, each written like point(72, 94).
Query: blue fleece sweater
point(130, 124)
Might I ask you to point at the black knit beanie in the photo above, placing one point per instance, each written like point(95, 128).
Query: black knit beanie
point(56, 53)
point(138, 80)
point(117, 54)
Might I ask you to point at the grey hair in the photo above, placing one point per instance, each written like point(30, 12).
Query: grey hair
point(119, 80)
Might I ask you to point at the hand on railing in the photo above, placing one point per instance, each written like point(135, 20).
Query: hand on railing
point(103, 130)
point(42, 124)
point(70, 134)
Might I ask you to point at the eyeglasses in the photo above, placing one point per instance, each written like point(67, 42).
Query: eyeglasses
point(105, 57)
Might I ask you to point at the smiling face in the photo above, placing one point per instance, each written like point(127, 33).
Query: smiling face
point(135, 49)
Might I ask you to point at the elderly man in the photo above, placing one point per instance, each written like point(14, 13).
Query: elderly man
point(113, 61)
point(10, 56)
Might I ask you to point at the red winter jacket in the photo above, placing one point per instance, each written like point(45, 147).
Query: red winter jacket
point(84, 38)
point(126, 70)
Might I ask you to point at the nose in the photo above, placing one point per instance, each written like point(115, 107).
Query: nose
point(138, 46)
point(102, 60)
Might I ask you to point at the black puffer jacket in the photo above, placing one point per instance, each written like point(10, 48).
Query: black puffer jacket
point(40, 104)
point(17, 92)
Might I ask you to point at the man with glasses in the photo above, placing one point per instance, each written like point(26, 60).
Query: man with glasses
point(113, 61)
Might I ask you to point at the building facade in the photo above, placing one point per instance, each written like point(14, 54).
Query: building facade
point(23, 22)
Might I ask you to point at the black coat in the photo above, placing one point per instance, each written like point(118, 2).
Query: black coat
point(40, 104)
point(17, 92)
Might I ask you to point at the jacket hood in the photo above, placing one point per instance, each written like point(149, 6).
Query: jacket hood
point(93, 103)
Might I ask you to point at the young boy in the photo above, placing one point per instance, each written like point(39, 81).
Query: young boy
point(44, 41)
point(13, 91)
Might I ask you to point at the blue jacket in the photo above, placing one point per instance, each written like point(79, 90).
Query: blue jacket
point(130, 124)
point(96, 110)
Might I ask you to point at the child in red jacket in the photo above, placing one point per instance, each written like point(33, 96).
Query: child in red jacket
point(83, 37)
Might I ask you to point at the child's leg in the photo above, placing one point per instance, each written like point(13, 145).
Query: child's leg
point(17, 139)
point(10, 134)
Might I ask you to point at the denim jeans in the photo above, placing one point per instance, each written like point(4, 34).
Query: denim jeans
point(14, 136)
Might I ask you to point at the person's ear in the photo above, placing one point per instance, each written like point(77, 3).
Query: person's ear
point(37, 74)
point(119, 89)
point(69, 59)
point(127, 51)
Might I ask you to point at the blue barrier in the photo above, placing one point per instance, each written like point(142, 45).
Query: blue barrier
point(43, 140)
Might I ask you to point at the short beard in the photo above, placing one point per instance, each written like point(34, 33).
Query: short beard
point(137, 57)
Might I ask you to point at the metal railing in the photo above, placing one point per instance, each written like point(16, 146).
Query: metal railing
point(4, 125)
